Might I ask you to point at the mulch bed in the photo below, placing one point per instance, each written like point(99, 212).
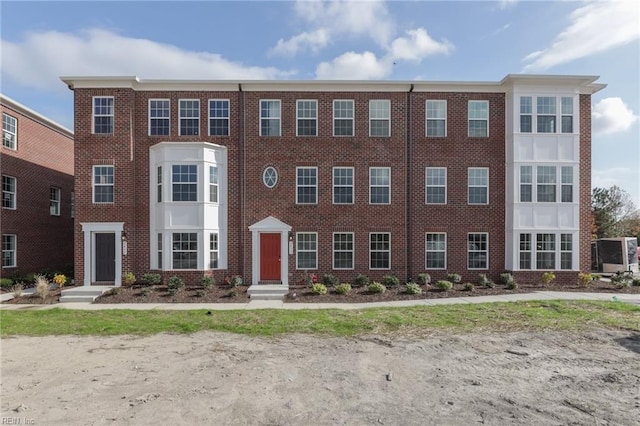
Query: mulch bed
point(190, 294)
point(35, 299)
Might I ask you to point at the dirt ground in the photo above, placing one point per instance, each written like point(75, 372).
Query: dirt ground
point(587, 378)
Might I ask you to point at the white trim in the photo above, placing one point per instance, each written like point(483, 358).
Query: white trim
point(316, 185)
point(315, 101)
point(353, 119)
point(228, 117)
point(158, 118)
point(90, 229)
point(380, 186)
point(371, 268)
point(15, 250)
point(426, 184)
point(112, 115)
point(333, 251)
point(427, 118)
point(279, 117)
point(478, 251)
point(270, 225)
point(180, 117)
point(352, 186)
point(306, 251)
point(435, 251)
point(387, 119)
point(275, 176)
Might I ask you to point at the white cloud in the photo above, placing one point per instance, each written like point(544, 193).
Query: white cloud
point(417, 46)
point(505, 4)
point(595, 27)
point(42, 57)
point(354, 66)
point(612, 115)
point(313, 41)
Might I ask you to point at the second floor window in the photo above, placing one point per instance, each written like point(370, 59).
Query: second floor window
point(379, 185)
point(189, 117)
point(306, 185)
point(546, 184)
point(343, 185)
point(8, 192)
point(184, 182)
point(478, 185)
point(103, 184)
point(159, 117)
point(478, 119)
point(436, 185)
point(54, 201)
point(103, 114)
point(9, 131)
point(343, 118)
point(306, 117)
point(380, 118)
point(218, 117)
point(436, 118)
point(213, 184)
point(270, 121)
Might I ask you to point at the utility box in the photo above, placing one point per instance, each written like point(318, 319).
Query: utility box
point(611, 255)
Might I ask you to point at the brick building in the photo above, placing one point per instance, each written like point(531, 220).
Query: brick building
point(270, 179)
point(36, 219)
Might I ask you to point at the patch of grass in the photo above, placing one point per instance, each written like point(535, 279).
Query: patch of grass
point(417, 320)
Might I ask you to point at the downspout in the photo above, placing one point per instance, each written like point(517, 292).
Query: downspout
point(242, 180)
point(409, 161)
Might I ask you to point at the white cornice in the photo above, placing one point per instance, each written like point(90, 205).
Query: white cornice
point(16, 106)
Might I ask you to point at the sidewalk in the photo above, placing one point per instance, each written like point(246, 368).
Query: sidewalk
point(275, 304)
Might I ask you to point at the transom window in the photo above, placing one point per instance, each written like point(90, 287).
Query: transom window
point(306, 185)
point(307, 250)
point(380, 185)
point(9, 251)
point(379, 250)
point(478, 185)
point(184, 182)
point(54, 201)
point(478, 250)
point(9, 184)
point(270, 177)
point(103, 114)
point(189, 117)
point(545, 251)
point(435, 250)
point(218, 117)
point(213, 250)
point(213, 184)
point(380, 118)
point(9, 131)
point(185, 250)
point(159, 117)
point(343, 113)
point(307, 117)
point(436, 118)
point(343, 185)
point(103, 181)
point(343, 250)
point(436, 185)
point(270, 117)
point(478, 119)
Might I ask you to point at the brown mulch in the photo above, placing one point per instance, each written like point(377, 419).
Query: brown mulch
point(190, 294)
point(34, 299)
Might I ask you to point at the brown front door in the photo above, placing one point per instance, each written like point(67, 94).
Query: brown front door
point(106, 257)
point(270, 257)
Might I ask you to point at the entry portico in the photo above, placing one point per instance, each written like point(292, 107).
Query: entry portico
point(269, 252)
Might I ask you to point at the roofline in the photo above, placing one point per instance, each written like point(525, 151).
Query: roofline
point(22, 109)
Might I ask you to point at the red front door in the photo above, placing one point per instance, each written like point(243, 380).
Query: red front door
point(270, 257)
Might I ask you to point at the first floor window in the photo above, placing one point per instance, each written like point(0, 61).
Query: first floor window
point(478, 185)
point(566, 251)
point(213, 184)
point(525, 251)
point(185, 250)
point(343, 185)
point(9, 131)
point(8, 251)
point(103, 114)
point(477, 251)
point(307, 185)
point(184, 181)
point(380, 185)
point(8, 192)
point(436, 185)
point(189, 116)
point(435, 250)
point(103, 184)
point(54, 201)
point(545, 251)
point(213, 250)
point(307, 250)
point(343, 250)
point(380, 250)
point(160, 251)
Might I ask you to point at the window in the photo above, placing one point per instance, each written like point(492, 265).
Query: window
point(343, 118)
point(306, 185)
point(379, 185)
point(436, 119)
point(9, 251)
point(435, 250)
point(526, 111)
point(477, 251)
point(379, 250)
point(566, 191)
point(103, 115)
point(380, 118)
point(307, 118)
point(545, 251)
point(54, 201)
point(103, 184)
point(184, 180)
point(213, 184)
point(525, 251)
point(436, 185)
point(546, 110)
point(270, 118)
point(566, 107)
point(343, 185)
point(72, 210)
point(478, 119)
point(189, 117)
point(185, 250)
point(270, 177)
point(478, 185)
point(159, 250)
point(159, 185)
point(213, 250)
point(546, 188)
point(9, 131)
point(343, 250)
point(566, 251)
point(9, 192)
point(526, 184)
point(307, 250)
point(218, 117)
point(159, 117)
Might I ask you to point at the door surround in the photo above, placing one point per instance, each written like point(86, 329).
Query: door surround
point(89, 230)
point(269, 225)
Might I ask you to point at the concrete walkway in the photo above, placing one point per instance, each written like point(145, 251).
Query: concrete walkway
point(276, 304)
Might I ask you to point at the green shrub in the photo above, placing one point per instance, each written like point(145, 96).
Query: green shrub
point(152, 279)
point(6, 283)
point(454, 278)
point(361, 281)
point(173, 291)
point(635, 282)
point(512, 285)
point(343, 288)
point(482, 280)
point(390, 281)
point(146, 291)
point(490, 284)
point(376, 287)
point(319, 288)
point(330, 280)
point(506, 278)
point(585, 278)
point(547, 277)
point(621, 280)
point(413, 288)
point(208, 282)
point(424, 278)
point(469, 286)
point(444, 285)
point(236, 280)
point(128, 278)
point(175, 283)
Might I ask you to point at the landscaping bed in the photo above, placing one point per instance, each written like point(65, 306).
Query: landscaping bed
point(190, 294)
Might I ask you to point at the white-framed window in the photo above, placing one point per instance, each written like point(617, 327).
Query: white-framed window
point(184, 182)
point(380, 118)
point(566, 251)
point(306, 250)
point(550, 181)
point(270, 121)
point(270, 177)
point(379, 250)
point(566, 111)
point(218, 117)
point(102, 115)
point(526, 184)
point(159, 252)
point(343, 185)
point(185, 250)
point(546, 114)
point(477, 250)
point(54, 201)
point(159, 184)
point(343, 113)
point(213, 184)
point(436, 185)
point(213, 250)
point(546, 184)
point(9, 131)
point(478, 119)
point(525, 251)
point(526, 114)
point(478, 185)
point(306, 117)
point(435, 250)
point(436, 122)
point(343, 250)
point(103, 183)
point(9, 247)
point(159, 117)
point(379, 185)
point(566, 189)
point(306, 185)
point(546, 251)
point(189, 117)
point(9, 191)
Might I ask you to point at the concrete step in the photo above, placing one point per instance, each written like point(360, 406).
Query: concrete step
point(83, 294)
point(268, 291)
point(78, 299)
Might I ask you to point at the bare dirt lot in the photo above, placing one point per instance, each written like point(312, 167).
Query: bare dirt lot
point(554, 378)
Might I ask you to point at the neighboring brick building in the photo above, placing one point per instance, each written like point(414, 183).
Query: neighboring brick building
point(36, 219)
point(269, 179)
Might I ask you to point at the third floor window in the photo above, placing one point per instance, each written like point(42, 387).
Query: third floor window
point(189, 117)
point(343, 114)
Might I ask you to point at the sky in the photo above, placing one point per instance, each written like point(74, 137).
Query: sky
point(306, 40)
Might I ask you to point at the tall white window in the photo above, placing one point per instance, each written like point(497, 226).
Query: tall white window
point(270, 122)
point(213, 184)
point(478, 185)
point(379, 250)
point(566, 114)
point(213, 250)
point(546, 187)
point(525, 251)
point(103, 181)
point(435, 250)
point(184, 250)
point(218, 117)
point(159, 117)
point(436, 118)
point(526, 184)
point(103, 114)
point(545, 251)
point(184, 182)
point(478, 250)
point(307, 250)
point(9, 131)
point(436, 185)
point(566, 191)
point(189, 117)
point(54, 201)
point(9, 190)
point(526, 114)
point(343, 250)
point(478, 119)
point(306, 185)
point(159, 184)
point(380, 118)
point(379, 185)
point(343, 185)
point(306, 117)
point(546, 119)
point(566, 251)
point(9, 243)
point(159, 250)
point(343, 113)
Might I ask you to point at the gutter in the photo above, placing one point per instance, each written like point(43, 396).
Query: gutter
point(408, 174)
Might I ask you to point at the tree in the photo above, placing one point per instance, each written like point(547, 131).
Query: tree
point(614, 214)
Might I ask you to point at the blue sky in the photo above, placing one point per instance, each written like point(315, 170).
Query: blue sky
point(428, 40)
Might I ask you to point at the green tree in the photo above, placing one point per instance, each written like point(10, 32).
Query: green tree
point(614, 213)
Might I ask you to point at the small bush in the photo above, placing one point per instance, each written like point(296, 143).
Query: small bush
point(506, 278)
point(361, 281)
point(454, 278)
point(60, 280)
point(173, 291)
point(390, 281)
point(424, 278)
point(413, 288)
point(208, 282)
point(330, 280)
point(199, 293)
point(621, 280)
point(444, 285)
point(469, 286)
point(482, 280)
point(376, 287)
point(114, 291)
point(42, 286)
point(585, 278)
point(17, 290)
point(145, 292)
point(490, 284)
point(512, 285)
point(236, 280)
point(547, 277)
point(175, 283)
point(152, 279)
point(319, 289)
point(6, 283)
point(343, 288)
point(129, 278)
point(636, 282)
